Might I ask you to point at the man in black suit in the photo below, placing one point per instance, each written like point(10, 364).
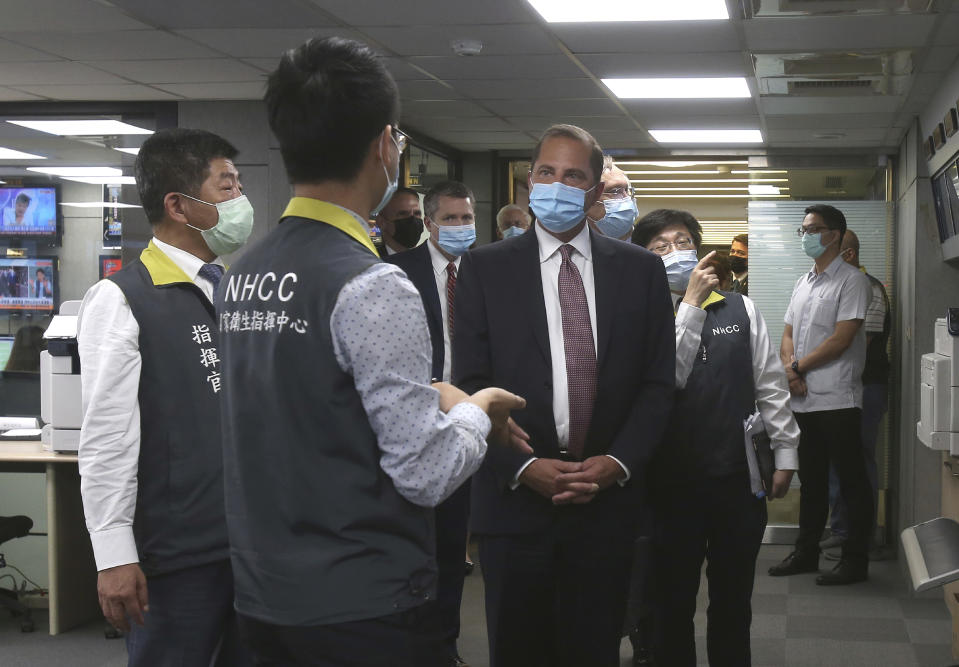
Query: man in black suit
point(582, 327)
point(432, 268)
point(400, 223)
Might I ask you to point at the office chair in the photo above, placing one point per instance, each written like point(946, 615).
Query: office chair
point(10, 528)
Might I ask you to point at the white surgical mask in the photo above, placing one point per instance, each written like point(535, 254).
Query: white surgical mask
point(233, 226)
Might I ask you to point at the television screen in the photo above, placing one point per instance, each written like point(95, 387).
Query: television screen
point(28, 284)
point(109, 265)
point(112, 224)
point(28, 211)
point(6, 346)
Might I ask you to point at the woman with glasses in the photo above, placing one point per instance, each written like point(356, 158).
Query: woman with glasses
point(704, 506)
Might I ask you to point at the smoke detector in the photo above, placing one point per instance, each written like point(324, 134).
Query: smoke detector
point(466, 47)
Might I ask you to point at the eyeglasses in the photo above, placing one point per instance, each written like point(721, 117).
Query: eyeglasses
point(401, 139)
point(620, 192)
point(802, 231)
point(682, 243)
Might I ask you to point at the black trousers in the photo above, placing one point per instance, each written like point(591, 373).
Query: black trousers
point(411, 638)
point(722, 522)
point(555, 600)
point(833, 436)
point(452, 525)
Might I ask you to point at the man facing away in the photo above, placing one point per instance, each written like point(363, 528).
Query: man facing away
point(151, 461)
point(581, 325)
point(336, 446)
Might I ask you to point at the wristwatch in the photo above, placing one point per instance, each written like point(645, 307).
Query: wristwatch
point(795, 367)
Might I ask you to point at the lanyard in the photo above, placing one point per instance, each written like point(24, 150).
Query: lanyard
point(330, 214)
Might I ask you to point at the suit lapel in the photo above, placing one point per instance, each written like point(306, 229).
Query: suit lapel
point(528, 275)
point(424, 265)
point(604, 281)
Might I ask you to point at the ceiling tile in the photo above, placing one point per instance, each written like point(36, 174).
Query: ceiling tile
point(12, 95)
point(11, 52)
point(872, 120)
point(651, 37)
point(940, 58)
point(866, 134)
point(131, 44)
point(447, 108)
point(172, 14)
point(260, 42)
point(97, 92)
point(728, 63)
point(845, 32)
point(429, 12)
point(817, 105)
point(64, 15)
point(497, 67)
point(554, 108)
point(472, 137)
point(182, 71)
point(434, 40)
point(538, 124)
point(250, 90)
point(421, 123)
point(510, 89)
point(53, 73)
point(661, 121)
point(427, 90)
point(947, 29)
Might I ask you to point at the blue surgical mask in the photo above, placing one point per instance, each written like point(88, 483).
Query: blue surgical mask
point(391, 184)
point(679, 266)
point(619, 218)
point(812, 245)
point(456, 240)
point(558, 207)
point(233, 227)
point(510, 232)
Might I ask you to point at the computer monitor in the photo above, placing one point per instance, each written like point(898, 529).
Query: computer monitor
point(6, 345)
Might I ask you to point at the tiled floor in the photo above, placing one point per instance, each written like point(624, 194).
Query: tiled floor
point(799, 624)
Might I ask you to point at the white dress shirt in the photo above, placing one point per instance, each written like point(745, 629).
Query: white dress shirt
point(550, 260)
point(439, 271)
point(109, 452)
point(819, 301)
point(769, 377)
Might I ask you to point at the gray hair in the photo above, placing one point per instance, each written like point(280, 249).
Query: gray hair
point(511, 207)
point(453, 189)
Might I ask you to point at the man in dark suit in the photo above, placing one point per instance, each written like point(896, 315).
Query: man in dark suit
point(582, 327)
point(400, 223)
point(432, 268)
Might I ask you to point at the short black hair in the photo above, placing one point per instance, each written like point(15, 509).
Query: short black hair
point(326, 101)
point(176, 160)
point(651, 224)
point(40, 270)
point(24, 197)
point(830, 215)
point(453, 189)
point(741, 238)
point(578, 134)
point(406, 191)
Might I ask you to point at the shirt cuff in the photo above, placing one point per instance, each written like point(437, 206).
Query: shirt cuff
point(471, 415)
point(515, 483)
point(114, 547)
point(690, 315)
point(621, 482)
point(787, 458)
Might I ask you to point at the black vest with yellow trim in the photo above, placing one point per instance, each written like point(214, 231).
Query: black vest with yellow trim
point(705, 435)
point(180, 518)
point(318, 532)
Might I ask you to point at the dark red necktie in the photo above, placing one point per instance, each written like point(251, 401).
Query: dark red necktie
point(450, 296)
point(580, 352)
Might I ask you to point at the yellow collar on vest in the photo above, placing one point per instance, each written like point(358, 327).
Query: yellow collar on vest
point(330, 214)
point(714, 297)
point(163, 270)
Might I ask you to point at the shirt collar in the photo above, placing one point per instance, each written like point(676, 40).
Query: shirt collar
point(830, 270)
point(189, 264)
point(439, 261)
point(549, 244)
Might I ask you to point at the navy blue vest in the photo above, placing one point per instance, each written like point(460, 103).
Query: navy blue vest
point(179, 520)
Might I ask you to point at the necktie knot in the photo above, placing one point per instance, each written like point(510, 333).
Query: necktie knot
point(566, 249)
point(213, 273)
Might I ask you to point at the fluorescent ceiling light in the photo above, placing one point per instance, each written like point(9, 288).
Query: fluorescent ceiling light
point(641, 163)
point(10, 154)
point(690, 189)
point(707, 136)
point(129, 151)
point(77, 171)
point(97, 204)
point(102, 180)
point(759, 171)
point(707, 180)
point(763, 190)
point(80, 128)
point(571, 11)
point(678, 88)
point(673, 196)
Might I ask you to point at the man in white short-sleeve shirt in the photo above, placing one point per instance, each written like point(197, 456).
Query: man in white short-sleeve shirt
point(824, 351)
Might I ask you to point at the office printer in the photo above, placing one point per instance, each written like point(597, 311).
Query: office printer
point(938, 426)
point(61, 406)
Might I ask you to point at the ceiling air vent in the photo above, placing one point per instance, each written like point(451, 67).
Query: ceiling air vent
point(842, 87)
point(758, 8)
point(833, 182)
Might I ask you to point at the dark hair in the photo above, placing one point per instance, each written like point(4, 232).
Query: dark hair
point(830, 215)
point(176, 160)
point(406, 191)
point(741, 238)
point(326, 101)
point(40, 270)
point(651, 224)
point(577, 134)
point(24, 197)
point(453, 189)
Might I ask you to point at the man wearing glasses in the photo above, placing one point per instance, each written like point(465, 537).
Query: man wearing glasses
point(824, 352)
point(615, 212)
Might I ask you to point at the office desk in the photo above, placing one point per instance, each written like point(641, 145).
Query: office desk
point(71, 568)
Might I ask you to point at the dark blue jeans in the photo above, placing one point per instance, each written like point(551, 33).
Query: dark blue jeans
point(191, 622)
point(875, 402)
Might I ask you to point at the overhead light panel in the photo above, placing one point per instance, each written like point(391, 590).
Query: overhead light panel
point(642, 163)
point(10, 154)
point(764, 190)
point(102, 180)
point(77, 171)
point(97, 204)
point(707, 180)
point(678, 88)
point(570, 11)
point(81, 128)
point(707, 136)
point(687, 196)
point(129, 151)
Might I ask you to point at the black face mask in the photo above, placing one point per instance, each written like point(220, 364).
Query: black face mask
point(407, 231)
point(738, 264)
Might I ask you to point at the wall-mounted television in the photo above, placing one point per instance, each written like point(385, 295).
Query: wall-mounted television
point(28, 284)
point(112, 222)
point(29, 212)
point(945, 194)
point(109, 264)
